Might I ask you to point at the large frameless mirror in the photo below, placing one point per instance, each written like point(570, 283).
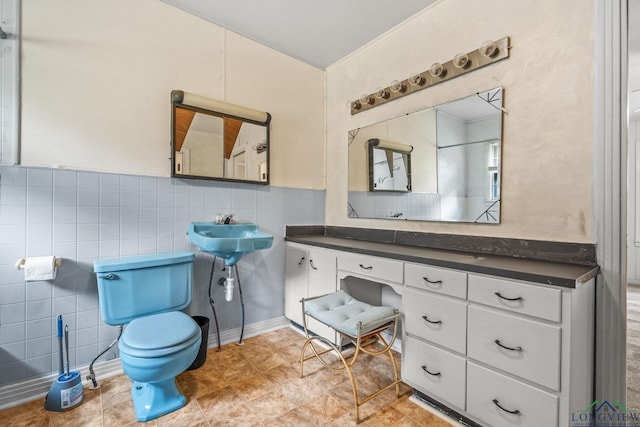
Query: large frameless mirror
point(215, 140)
point(445, 160)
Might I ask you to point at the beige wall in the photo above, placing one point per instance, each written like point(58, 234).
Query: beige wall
point(548, 83)
point(96, 79)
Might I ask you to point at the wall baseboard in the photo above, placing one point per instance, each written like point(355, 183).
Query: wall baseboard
point(16, 394)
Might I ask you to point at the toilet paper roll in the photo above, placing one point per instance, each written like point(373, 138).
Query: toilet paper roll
point(40, 268)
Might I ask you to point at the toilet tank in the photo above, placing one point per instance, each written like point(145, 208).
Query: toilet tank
point(143, 285)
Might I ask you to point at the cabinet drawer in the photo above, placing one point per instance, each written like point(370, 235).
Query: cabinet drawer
point(487, 389)
point(526, 348)
point(441, 280)
point(371, 267)
point(446, 376)
point(441, 320)
point(518, 297)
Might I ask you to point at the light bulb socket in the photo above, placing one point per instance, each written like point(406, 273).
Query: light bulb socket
point(382, 94)
point(366, 100)
point(355, 105)
point(416, 80)
point(489, 49)
point(397, 87)
point(461, 61)
point(437, 70)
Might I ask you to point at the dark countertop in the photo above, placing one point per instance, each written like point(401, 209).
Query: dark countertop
point(538, 271)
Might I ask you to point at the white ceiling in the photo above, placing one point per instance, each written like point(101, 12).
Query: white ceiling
point(319, 33)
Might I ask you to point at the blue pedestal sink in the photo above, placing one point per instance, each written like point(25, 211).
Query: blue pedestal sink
point(228, 241)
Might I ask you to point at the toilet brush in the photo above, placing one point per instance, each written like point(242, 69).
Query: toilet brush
point(61, 368)
point(66, 391)
point(66, 347)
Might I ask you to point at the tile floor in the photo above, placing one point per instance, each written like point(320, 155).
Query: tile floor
point(256, 384)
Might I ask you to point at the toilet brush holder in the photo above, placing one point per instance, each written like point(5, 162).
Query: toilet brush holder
point(65, 393)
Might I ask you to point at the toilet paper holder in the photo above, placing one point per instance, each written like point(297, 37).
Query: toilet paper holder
point(21, 261)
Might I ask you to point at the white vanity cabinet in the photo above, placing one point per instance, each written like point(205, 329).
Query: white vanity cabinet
point(309, 271)
point(527, 348)
point(530, 351)
point(499, 351)
point(435, 333)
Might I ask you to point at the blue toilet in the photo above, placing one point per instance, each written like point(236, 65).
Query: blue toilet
point(159, 341)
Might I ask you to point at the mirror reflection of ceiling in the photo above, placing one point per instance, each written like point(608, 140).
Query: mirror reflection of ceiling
point(319, 33)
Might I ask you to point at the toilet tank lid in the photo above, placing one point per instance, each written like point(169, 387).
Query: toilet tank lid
point(142, 261)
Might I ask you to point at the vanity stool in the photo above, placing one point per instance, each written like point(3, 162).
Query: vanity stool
point(357, 321)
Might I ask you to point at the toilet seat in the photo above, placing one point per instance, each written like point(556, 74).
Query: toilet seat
point(159, 335)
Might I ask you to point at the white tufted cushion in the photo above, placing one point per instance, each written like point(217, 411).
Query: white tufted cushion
point(342, 312)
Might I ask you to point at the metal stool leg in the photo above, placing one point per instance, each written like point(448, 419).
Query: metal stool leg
point(361, 342)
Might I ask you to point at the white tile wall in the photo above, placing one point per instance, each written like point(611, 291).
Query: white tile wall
point(84, 216)
point(416, 206)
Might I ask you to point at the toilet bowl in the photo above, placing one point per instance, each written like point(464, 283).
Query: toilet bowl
point(159, 341)
point(152, 360)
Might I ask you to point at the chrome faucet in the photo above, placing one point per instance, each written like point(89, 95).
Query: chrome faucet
point(224, 219)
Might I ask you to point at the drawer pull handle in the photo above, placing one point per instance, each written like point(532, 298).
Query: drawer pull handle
point(366, 268)
point(497, 403)
point(508, 348)
point(434, 322)
point(301, 261)
point(508, 299)
point(433, 282)
point(110, 276)
point(435, 374)
point(311, 264)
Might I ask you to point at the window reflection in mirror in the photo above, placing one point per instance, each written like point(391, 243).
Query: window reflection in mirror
point(455, 163)
point(213, 145)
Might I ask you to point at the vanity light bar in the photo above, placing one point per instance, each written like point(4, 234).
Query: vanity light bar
point(186, 98)
point(462, 63)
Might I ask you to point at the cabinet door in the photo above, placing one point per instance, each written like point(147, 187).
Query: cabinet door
point(322, 272)
point(295, 287)
point(322, 280)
